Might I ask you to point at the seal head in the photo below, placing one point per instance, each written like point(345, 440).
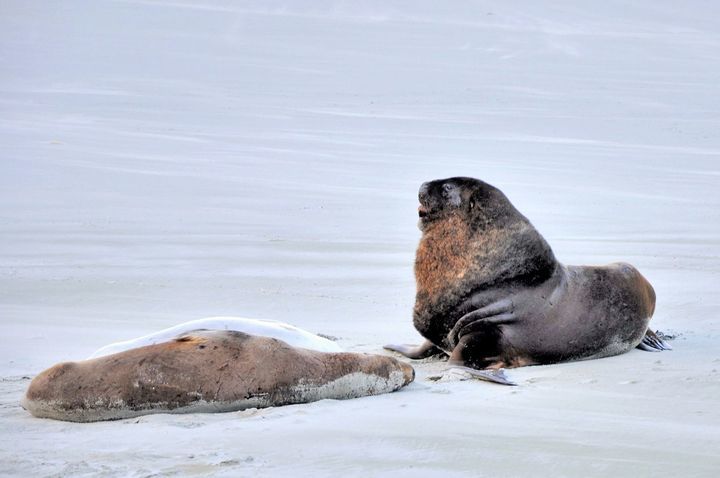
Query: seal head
point(440, 199)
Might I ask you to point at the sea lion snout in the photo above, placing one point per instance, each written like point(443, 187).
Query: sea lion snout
point(423, 192)
point(437, 197)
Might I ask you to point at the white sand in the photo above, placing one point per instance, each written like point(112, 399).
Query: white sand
point(162, 162)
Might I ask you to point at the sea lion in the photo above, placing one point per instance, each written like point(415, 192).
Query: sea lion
point(268, 328)
point(492, 295)
point(207, 371)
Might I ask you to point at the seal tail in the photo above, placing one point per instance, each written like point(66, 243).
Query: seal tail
point(653, 343)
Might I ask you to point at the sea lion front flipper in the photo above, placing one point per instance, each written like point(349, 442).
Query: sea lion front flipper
point(653, 343)
point(427, 349)
point(491, 315)
point(490, 375)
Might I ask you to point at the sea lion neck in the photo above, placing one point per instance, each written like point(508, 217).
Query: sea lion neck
point(443, 256)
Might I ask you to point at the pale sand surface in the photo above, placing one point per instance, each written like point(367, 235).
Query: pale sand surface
point(165, 161)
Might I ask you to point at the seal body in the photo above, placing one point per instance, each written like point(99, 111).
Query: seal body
point(491, 294)
point(207, 371)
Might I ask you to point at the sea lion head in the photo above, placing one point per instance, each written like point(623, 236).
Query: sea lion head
point(477, 202)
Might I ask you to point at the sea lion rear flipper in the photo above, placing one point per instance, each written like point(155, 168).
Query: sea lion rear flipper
point(490, 375)
point(427, 349)
point(653, 343)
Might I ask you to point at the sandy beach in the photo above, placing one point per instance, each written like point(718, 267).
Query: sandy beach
point(164, 161)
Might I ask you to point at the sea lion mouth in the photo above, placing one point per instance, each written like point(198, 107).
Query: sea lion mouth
point(423, 211)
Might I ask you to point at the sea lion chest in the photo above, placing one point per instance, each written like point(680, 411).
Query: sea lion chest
point(444, 266)
point(460, 268)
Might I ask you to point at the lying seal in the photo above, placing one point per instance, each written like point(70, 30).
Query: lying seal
point(491, 294)
point(267, 328)
point(207, 371)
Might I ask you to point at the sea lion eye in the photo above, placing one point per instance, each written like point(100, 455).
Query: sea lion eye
point(472, 203)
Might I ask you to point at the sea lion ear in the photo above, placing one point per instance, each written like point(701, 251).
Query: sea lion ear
point(472, 201)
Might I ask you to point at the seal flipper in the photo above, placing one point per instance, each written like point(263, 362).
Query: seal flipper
point(651, 342)
point(489, 375)
point(491, 315)
point(427, 349)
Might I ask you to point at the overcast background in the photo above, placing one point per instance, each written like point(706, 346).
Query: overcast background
point(166, 161)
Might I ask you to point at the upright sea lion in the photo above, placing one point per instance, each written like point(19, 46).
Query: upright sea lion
point(207, 371)
point(491, 294)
